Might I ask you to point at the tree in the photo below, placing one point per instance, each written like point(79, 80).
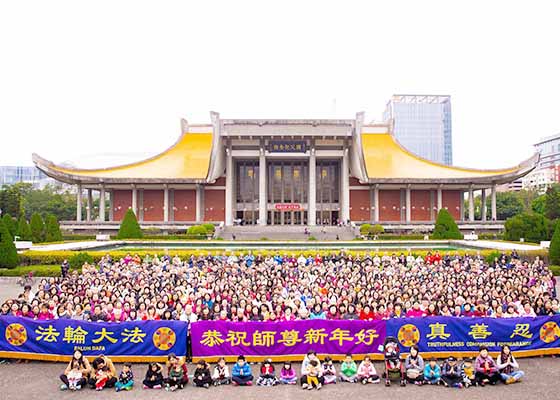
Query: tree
point(24, 231)
point(37, 228)
point(554, 250)
point(530, 227)
point(537, 205)
point(8, 252)
point(52, 229)
point(445, 227)
point(552, 202)
point(508, 204)
point(11, 200)
point(10, 223)
point(197, 232)
point(129, 229)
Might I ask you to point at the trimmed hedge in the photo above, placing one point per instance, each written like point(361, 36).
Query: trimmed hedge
point(129, 229)
point(197, 232)
point(57, 257)
point(8, 253)
point(38, 270)
point(52, 229)
point(446, 227)
point(554, 250)
point(24, 231)
point(37, 228)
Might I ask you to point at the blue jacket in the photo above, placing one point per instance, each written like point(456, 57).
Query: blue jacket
point(428, 369)
point(236, 370)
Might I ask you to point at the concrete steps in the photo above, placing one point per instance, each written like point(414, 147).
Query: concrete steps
point(287, 232)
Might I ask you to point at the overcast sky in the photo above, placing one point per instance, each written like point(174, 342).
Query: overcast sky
point(88, 78)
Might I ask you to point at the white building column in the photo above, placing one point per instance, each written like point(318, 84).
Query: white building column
point(79, 203)
point(111, 205)
point(102, 203)
point(199, 203)
point(483, 205)
point(345, 195)
point(312, 195)
point(262, 188)
point(229, 187)
point(439, 198)
point(493, 201)
point(89, 205)
point(165, 203)
point(471, 203)
point(135, 201)
point(408, 205)
point(376, 203)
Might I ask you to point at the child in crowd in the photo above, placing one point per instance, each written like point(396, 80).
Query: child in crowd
point(221, 375)
point(174, 378)
point(312, 374)
point(348, 370)
point(101, 378)
point(288, 374)
point(432, 372)
point(241, 373)
point(74, 378)
point(267, 376)
point(329, 371)
point(451, 373)
point(366, 372)
point(467, 372)
point(154, 376)
point(485, 368)
point(202, 377)
point(126, 378)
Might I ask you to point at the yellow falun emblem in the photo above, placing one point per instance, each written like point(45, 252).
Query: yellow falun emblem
point(408, 335)
point(549, 332)
point(164, 338)
point(16, 334)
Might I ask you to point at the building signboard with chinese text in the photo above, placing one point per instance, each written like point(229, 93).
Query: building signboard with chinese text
point(287, 146)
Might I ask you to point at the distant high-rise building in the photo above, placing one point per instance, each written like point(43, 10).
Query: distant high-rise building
point(10, 175)
point(547, 171)
point(422, 124)
point(549, 147)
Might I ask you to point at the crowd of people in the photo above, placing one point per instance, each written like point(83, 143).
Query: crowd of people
point(290, 287)
point(174, 375)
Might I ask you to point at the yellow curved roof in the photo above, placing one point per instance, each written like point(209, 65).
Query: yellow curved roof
point(385, 158)
point(189, 158)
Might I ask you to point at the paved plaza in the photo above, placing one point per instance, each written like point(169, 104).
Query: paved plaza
point(36, 380)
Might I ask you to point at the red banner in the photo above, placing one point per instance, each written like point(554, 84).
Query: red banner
point(287, 206)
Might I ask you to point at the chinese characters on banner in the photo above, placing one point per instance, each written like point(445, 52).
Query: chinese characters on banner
point(212, 338)
point(433, 334)
point(64, 336)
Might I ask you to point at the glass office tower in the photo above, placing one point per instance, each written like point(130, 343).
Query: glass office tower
point(422, 124)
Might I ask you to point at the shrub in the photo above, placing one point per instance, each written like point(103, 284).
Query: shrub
point(52, 229)
point(312, 238)
point(8, 252)
point(129, 229)
point(197, 232)
point(210, 228)
point(365, 229)
point(10, 223)
point(376, 229)
point(554, 250)
point(445, 227)
point(37, 228)
point(24, 231)
point(531, 227)
point(555, 269)
point(79, 259)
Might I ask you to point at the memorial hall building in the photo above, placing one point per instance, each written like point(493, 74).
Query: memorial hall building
point(283, 172)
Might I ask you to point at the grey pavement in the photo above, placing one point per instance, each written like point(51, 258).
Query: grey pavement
point(37, 380)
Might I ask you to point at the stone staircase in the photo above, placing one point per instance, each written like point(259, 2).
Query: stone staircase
point(287, 232)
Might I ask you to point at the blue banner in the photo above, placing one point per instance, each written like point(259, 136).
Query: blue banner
point(449, 335)
point(57, 339)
